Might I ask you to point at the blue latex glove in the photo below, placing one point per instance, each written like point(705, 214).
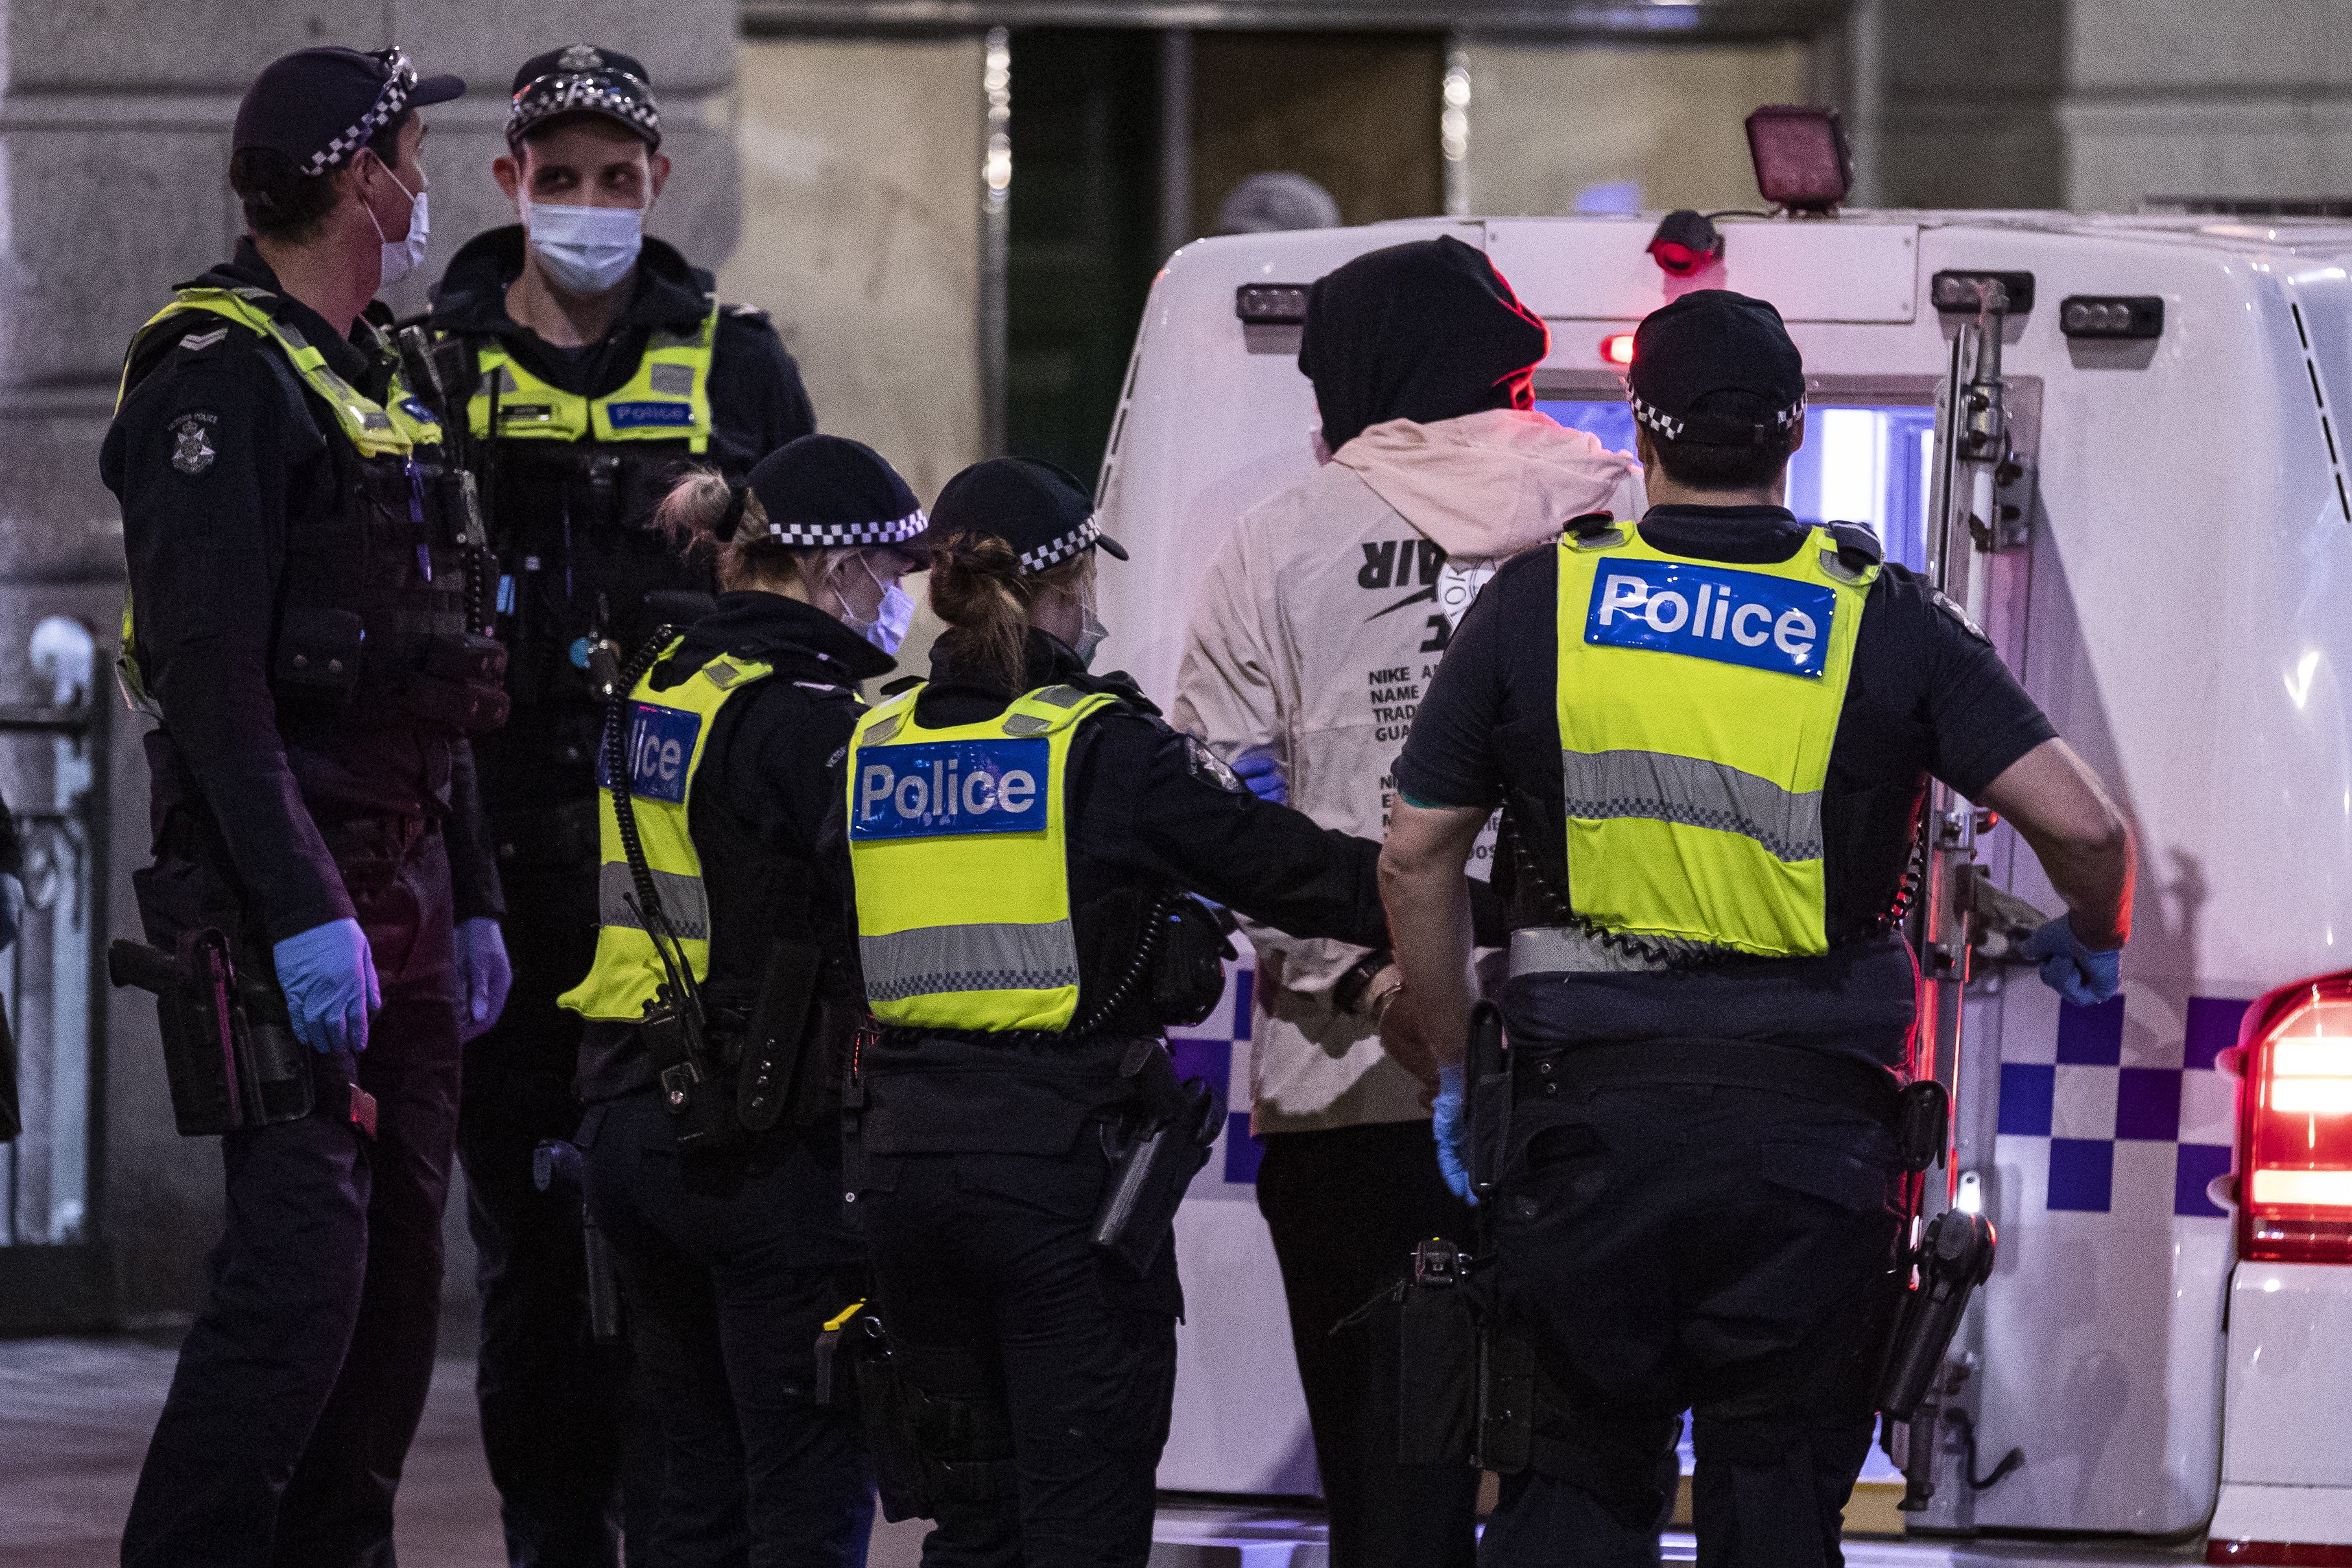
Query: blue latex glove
point(12, 909)
point(1262, 772)
point(484, 976)
point(1449, 1122)
point(329, 977)
point(2082, 976)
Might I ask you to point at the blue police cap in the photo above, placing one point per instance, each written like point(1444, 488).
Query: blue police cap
point(584, 78)
point(320, 106)
point(1040, 509)
point(1713, 341)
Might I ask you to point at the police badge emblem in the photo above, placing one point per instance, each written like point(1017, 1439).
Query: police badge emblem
point(192, 449)
point(579, 58)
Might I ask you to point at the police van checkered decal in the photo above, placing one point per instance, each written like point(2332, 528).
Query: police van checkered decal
point(2108, 1131)
point(1206, 1051)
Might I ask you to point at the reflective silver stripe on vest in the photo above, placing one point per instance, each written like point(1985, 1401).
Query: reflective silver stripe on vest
point(1566, 949)
point(930, 960)
point(684, 904)
point(1663, 787)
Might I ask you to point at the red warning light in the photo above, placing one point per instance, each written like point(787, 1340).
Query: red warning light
point(1617, 349)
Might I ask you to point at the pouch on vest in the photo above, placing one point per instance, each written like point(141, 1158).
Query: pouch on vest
point(1461, 1387)
point(320, 648)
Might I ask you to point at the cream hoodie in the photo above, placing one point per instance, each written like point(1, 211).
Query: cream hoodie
point(1322, 619)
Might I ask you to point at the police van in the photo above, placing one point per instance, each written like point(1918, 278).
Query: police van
point(2121, 442)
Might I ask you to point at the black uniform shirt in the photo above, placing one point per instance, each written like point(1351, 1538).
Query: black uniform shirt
point(1148, 809)
point(757, 402)
point(1928, 694)
point(760, 799)
point(206, 541)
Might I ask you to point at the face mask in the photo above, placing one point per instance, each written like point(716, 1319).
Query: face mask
point(403, 256)
point(1091, 631)
point(586, 250)
point(887, 629)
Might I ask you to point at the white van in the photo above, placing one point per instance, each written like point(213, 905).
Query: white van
point(2168, 1340)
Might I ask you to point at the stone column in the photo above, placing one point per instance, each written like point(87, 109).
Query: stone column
point(114, 121)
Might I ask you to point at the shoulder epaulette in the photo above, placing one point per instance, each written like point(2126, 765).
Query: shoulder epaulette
point(747, 313)
point(1857, 543)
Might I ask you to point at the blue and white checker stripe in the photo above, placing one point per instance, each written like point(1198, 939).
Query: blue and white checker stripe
point(2108, 1128)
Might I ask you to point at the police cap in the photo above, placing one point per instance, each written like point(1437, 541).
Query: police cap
point(828, 491)
point(1711, 341)
point(584, 79)
point(1040, 509)
point(320, 106)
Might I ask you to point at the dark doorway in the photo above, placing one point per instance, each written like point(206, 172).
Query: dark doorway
point(1357, 111)
point(1085, 239)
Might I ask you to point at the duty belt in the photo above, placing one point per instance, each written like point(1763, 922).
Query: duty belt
point(1845, 1082)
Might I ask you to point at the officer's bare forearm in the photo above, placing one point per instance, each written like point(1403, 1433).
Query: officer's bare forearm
point(2058, 804)
point(1427, 893)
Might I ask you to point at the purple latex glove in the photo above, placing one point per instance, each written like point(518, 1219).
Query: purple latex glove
point(484, 976)
point(329, 977)
point(1262, 772)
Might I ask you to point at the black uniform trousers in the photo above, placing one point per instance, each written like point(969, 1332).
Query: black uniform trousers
point(301, 1381)
point(1347, 1206)
point(730, 1266)
point(1725, 1250)
point(995, 1298)
point(551, 1397)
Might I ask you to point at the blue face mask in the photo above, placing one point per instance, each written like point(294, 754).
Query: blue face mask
point(587, 251)
point(887, 630)
point(892, 616)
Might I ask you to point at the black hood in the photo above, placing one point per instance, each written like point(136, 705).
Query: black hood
point(1424, 331)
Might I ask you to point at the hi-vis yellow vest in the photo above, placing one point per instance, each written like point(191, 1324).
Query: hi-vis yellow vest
point(393, 428)
point(1697, 704)
point(669, 398)
point(958, 852)
point(668, 730)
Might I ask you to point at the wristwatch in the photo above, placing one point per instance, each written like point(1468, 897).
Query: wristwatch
point(1348, 993)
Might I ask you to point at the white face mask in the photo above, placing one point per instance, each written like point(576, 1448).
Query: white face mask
point(401, 257)
point(586, 250)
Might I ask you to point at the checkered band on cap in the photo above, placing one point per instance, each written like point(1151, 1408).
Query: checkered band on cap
point(585, 80)
point(895, 531)
point(1656, 419)
point(1054, 551)
point(399, 82)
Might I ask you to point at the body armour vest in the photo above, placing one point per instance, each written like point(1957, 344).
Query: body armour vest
point(573, 482)
point(668, 732)
point(384, 601)
point(959, 850)
point(1697, 704)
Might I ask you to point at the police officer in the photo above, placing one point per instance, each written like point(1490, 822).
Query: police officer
point(1020, 834)
point(714, 1168)
point(307, 618)
point(1713, 779)
point(602, 364)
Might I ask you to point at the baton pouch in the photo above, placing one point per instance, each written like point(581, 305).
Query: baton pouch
point(1462, 1387)
point(1954, 1258)
point(774, 1066)
point(229, 1050)
point(1152, 1171)
point(854, 1372)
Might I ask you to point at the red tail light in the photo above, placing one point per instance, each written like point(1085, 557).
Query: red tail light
point(1617, 348)
point(2295, 1141)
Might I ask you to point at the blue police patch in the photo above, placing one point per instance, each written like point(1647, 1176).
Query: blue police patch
point(661, 750)
point(943, 787)
point(1709, 611)
point(635, 416)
